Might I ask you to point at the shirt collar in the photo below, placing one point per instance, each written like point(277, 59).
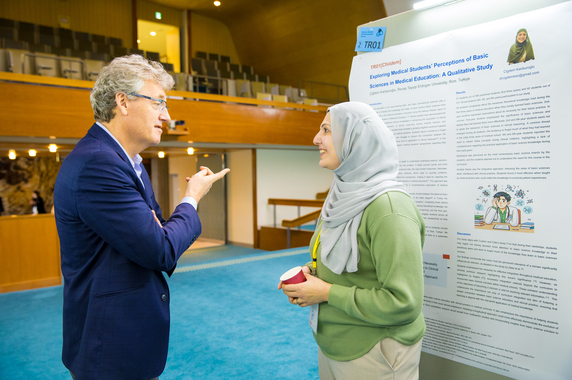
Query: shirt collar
point(136, 160)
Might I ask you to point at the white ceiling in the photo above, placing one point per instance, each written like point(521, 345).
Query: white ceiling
point(393, 7)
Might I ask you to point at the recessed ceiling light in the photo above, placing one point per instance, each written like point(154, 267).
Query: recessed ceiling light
point(217, 3)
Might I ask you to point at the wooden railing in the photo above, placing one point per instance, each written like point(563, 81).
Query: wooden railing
point(294, 202)
point(209, 118)
point(75, 83)
point(300, 220)
point(322, 195)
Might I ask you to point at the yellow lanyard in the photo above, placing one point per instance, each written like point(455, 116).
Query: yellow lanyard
point(314, 255)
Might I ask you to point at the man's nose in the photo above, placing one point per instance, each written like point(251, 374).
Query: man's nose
point(164, 116)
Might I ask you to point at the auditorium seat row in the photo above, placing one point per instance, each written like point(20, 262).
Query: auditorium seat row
point(58, 52)
point(226, 70)
point(63, 42)
point(27, 62)
point(242, 88)
point(83, 67)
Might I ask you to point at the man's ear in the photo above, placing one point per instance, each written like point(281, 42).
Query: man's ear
point(121, 102)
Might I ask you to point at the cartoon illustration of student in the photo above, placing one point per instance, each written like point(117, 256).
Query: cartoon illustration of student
point(500, 212)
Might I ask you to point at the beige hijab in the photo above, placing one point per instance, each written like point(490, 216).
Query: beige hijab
point(368, 168)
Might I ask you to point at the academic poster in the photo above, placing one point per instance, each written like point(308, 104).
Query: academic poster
point(482, 120)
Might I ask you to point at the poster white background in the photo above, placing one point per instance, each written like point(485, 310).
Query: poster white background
point(469, 126)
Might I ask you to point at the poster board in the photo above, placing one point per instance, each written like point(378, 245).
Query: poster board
point(474, 130)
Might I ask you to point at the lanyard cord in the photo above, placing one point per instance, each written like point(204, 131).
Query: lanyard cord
point(314, 255)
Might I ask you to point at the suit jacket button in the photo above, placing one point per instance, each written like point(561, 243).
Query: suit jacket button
point(164, 297)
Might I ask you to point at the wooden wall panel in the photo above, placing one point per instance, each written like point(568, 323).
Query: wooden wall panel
point(297, 39)
point(29, 253)
point(170, 16)
point(66, 113)
point(45, 110)
point(105, 17)
point(243, 124)
point(211, 36)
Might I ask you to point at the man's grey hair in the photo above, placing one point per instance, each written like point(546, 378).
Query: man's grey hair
point(128, 75)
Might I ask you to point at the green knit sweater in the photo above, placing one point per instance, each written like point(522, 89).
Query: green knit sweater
point(385, 296)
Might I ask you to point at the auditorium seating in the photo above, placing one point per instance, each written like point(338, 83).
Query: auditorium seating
point(35, 49)
point(43, 50)
point(215, 73)
point(239, 80)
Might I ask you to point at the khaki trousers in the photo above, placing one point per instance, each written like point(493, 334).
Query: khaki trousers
point(387, 360)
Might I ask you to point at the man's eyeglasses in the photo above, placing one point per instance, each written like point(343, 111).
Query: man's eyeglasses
point(161, 106)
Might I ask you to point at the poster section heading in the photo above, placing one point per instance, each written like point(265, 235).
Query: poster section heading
point(440, 70)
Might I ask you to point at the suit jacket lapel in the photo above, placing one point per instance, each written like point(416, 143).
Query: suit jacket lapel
point(97, 132)
point(147, 183)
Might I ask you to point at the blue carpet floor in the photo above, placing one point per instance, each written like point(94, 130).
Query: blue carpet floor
point(228, 321)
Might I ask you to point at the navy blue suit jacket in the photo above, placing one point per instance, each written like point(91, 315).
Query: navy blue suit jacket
point(116, 299)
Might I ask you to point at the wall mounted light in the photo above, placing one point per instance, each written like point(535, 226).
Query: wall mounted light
point(217, 3)
point(153, 34)
point(12, 154)
point(205, 155)
point(53, 148)
point(161, 154)
point(190, 151)
point(32, 152)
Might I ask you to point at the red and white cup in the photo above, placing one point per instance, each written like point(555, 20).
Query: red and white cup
point(293, 276)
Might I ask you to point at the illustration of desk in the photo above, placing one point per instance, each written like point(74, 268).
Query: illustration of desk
point(504, 227)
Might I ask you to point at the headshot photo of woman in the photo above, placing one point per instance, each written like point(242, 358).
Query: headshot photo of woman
point(522, 50)
point(366, 274)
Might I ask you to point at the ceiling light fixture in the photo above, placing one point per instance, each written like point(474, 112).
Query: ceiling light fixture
point(53, 148)
point(161, 154)
point(422, 5)
point(190, 151)
point(32, 152)
point(217, 3)
point(12, 154)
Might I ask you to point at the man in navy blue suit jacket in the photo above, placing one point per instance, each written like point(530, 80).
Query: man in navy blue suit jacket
point(114, 241)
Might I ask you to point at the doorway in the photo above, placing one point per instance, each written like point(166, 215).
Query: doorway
point(161, 38)
point(212, 208)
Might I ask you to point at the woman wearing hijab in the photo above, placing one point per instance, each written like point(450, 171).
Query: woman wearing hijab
point(367, 255)
point(522, 50)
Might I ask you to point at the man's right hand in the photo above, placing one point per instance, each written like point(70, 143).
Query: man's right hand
point(200, 184)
